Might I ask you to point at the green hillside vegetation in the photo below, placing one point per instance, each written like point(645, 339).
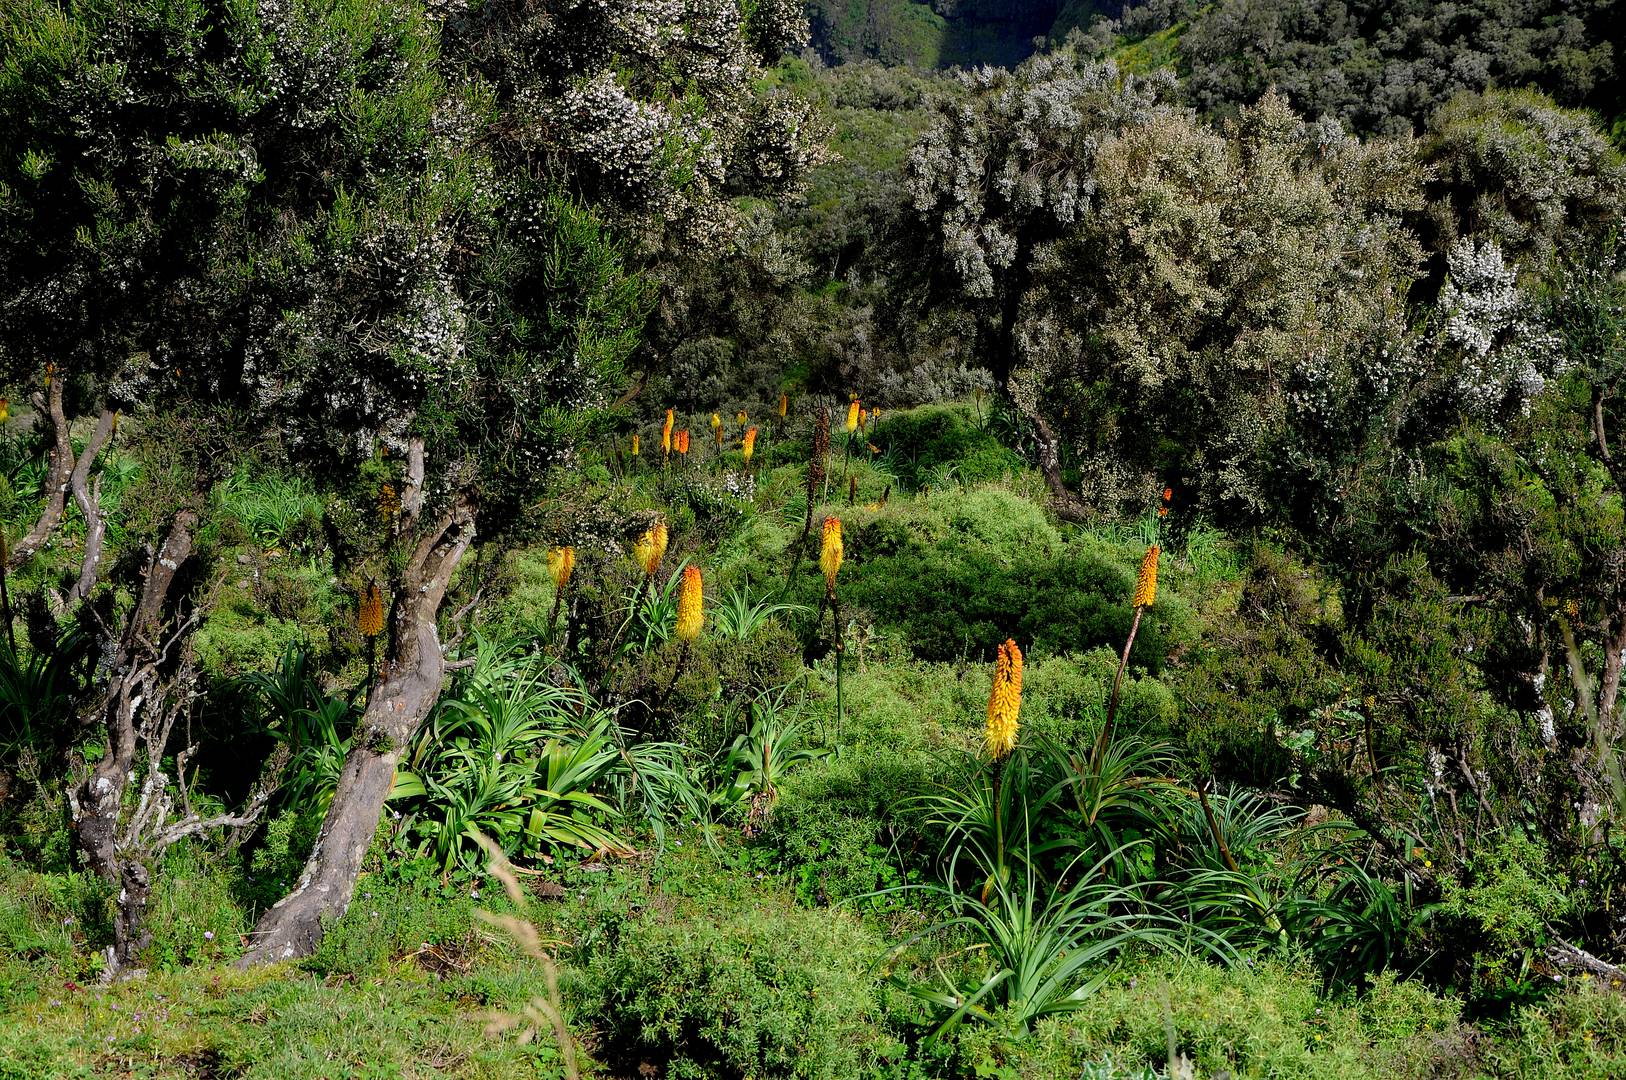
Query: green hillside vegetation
point(590, 540)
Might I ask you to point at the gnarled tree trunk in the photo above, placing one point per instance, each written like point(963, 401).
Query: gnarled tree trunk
point(405, 691)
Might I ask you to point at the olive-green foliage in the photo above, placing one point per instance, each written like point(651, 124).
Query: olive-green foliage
point(958, 572)
point(1508, 898)
point(193, 896)
point(943, 442)
point(1259, 672)
point(738, 982)
point(1263, 1020)
point(399, 907)
point(1580, 1032)
point(266, 605)
point(279, 855)
point(1514, 166)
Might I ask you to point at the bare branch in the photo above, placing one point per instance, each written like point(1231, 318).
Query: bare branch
point(88, 500)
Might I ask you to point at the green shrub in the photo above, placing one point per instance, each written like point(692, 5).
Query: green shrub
point(959, 572)
point(747, 985)
point(1508, 898)
point(939, 444)
point(396, 911)
point(1267, 1021)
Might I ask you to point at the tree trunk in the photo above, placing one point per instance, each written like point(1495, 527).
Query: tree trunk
point(97, 803)
point(1065, 503)
point(406, 690)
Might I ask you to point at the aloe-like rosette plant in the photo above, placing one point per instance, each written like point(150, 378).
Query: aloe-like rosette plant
point(741, 613)
point(650, 614)
point(314, 725)
point(759, 759)
point(974, 814)
point(1125, 794)
point(39, 688)
point(514, 757)
point(1350, 918)
point(1047, 946)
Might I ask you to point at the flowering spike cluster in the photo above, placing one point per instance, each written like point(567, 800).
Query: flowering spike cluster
point(1146, 580)
point(1004, 702)
point(750, 443)
point(650, 548)
point(561, 561)
point(691, 605)
point(370, 619)
point(634, 445)
point(1163, 511)
point(852, 416)
point(666, 435)
point(716, 421)
point(740, 418)
point(683, 441)
point(784, 405)
point(830, 551)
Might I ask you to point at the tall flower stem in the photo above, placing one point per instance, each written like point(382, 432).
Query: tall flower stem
point(841, 649)
point(5, 595)
point(1103, 740)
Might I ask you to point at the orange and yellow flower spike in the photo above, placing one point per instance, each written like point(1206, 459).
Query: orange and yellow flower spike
point(691, 605)
point(370, 617)
point(1004, 702)
point(1146, 580)
point(650, 548)
point(561, 561)
point(830, 551)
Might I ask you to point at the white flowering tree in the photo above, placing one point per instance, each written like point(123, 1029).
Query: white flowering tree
point(1165, 301)
point(375, 239)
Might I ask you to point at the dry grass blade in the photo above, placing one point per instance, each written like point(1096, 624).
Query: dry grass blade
point(547, 1007)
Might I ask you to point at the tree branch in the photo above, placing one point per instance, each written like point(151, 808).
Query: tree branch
point(88, 500)
point(58, 470)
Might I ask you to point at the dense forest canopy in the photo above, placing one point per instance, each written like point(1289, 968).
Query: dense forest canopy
point(883, 539)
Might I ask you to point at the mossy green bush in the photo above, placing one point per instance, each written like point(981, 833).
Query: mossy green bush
point(265, 605)
point(742, 984)
point(941, 444)
point(958, 572)
point(1267, 1020)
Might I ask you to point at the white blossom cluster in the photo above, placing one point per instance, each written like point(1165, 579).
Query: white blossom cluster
point(1506, 358)
point(1020, 144)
